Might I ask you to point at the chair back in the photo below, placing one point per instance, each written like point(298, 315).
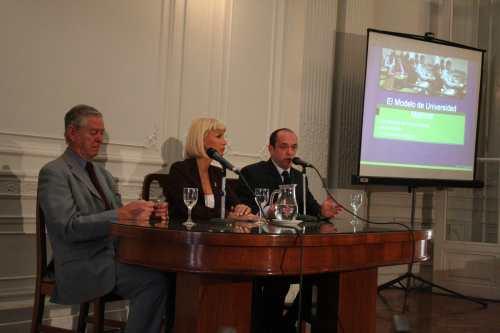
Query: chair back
point(161, 178)
point(45, 287)
point(41, 243)
point(231, 184)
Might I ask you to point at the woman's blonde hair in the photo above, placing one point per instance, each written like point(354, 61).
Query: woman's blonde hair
point(199, 129)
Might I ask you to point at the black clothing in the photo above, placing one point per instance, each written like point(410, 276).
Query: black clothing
point(270, 292)
point(185, 174)
point(264, 174)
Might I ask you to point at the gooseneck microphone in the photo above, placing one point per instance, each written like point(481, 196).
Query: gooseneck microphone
point(214, 154)
point(299, 161)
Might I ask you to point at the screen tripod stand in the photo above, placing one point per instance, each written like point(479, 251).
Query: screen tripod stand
point(407, 280)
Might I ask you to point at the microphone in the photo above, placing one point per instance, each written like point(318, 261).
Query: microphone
point(299, 161)
point(214, 154)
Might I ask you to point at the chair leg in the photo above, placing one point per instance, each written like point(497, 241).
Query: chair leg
point(170, 305)
point(82, 317)
point(98, 305)
point(38, 307)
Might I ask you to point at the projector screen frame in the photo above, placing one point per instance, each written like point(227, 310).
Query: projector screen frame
point(421, 182)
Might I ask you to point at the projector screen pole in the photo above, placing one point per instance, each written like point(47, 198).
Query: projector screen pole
point(411, 278)
point(412, 190)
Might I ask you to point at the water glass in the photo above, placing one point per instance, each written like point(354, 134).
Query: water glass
point(190, 196)
point(262, 198)
point(356, 202)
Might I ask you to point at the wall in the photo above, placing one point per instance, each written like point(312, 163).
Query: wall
point(384, 204)
point(150, 67)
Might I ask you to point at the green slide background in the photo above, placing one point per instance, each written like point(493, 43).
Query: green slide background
point(408, 125)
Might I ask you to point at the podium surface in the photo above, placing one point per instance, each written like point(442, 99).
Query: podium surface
point(216, 264)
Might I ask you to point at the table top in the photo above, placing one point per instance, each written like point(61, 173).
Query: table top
point(235, 247)
point(298, 227)
point(244, 234)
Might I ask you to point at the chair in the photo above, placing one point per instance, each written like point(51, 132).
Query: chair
point(98, 320)
point(45, 286)
point(231, 184)
point(161, 178)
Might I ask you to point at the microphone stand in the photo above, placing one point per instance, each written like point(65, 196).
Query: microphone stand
point(304, 184)
point(223, 199)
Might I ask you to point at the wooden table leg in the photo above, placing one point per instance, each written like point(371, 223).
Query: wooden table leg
point(347, 302)
point(207, 303)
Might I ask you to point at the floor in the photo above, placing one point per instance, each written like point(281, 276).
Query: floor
point(436, 313)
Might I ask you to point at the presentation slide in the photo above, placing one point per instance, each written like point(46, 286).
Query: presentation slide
point(420, 109)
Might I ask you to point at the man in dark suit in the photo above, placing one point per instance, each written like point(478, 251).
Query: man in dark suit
point(78, 199)
point(278, 170)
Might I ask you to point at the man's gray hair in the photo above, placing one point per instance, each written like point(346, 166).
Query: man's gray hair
point(77, 115)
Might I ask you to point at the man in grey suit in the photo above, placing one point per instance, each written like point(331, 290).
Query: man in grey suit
point(79, 202)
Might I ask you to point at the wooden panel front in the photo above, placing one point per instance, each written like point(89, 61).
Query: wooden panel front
point(207, 303)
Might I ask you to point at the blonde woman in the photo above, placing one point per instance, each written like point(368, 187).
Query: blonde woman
point(196, 171)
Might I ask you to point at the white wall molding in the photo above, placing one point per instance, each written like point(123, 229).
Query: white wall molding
point(226, 56)
point(150, 139)
point(462, 267)
point(255, 65)
point(174, 65)
point(16, 285)
point(15, 316)
point(18, 198)
point(19, 144)
point(17, 225)
point(29, 179)
point(319, 18)
point(275, 114)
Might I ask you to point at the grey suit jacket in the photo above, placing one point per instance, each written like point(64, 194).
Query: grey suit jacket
point(78, 227)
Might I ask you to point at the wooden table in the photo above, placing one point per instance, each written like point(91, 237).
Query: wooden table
point(216, 266)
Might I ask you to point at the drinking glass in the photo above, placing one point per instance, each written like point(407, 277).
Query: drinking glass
point(158, 199)
point(262, 198)
point(356, 201)
point(190, 196)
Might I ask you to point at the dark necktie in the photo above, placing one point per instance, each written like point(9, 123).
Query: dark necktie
point(286, 177)
point(90, 170)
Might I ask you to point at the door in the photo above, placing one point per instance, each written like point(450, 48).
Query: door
point(466, 243)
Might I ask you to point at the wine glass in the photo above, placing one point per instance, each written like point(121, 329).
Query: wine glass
point(190, 196)
point(356, 201)
point(262, 197)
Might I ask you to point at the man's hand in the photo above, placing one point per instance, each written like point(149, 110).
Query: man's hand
point(329, 208)
point(139, 210)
